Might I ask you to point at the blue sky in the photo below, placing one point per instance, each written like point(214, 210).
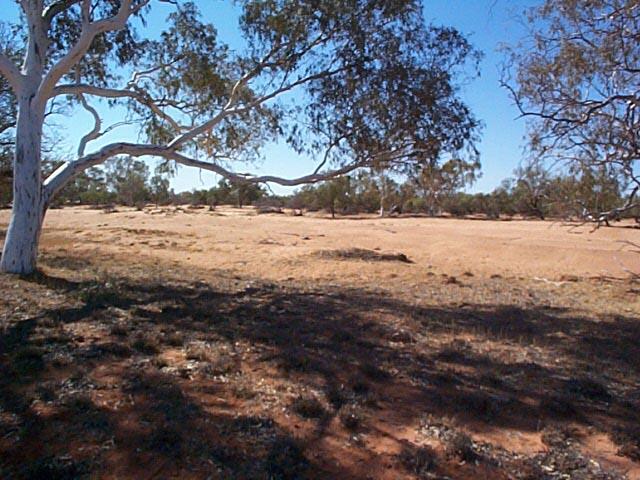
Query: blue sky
point(487, 23)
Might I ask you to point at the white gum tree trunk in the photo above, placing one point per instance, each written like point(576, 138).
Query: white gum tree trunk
point(20, 249)
point(21, 243)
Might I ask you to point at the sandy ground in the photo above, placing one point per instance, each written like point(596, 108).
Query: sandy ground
point(177, 343)
point(280, 246)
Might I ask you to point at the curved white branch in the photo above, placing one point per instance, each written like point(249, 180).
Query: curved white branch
point(138, 95)
point(59, 178)
point(97, 125)
point(11, 73)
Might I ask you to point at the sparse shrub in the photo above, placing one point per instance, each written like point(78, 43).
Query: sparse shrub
point(244, 390)
point(286, 460)
point(46, 391)
point(100, 296)
point(402, 336)
point(480, 404)
point(28, 360)
point(160, 363)
point(308, 407)
point(167, 440)
point(491, 379)
point(342, 336)
point(628, 442)
point(372, 371)
point(219, 362)
point(174, 339)
point(59, 337)
point(450, 280)
point(557, 405)
point(588, 388)
point(452, 354)
point(556, 436)
point(351, 417)
point(119, 330)
point(362, 254)
point(199, 352)
point(360, 386)
point(55, 468)
point(460, 445)
point(296, 359)
point(79, 404)
point(363, 391)
point(336, 395)
point(420, 461)
point(116, 349)
point(441, 379)
point(264, 209)
point(146, 344)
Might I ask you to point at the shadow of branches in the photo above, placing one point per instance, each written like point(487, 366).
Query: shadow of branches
point(151, 379)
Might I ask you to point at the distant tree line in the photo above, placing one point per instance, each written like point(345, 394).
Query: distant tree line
point(130, 182)
point(532, 192)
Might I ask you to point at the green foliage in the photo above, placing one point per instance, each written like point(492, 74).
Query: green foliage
point(533, 192)
point(576, 79)
point(159, 189)
point(225, 193)
point(334, 194)
point(128, 180)
point(122, 180)
point(437, 182)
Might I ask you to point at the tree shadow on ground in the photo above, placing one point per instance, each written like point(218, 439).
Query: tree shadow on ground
point(155, 379)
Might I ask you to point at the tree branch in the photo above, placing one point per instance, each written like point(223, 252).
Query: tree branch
point(95, 132)
point(229, 110)
point(138, 95)
point(89, 32)
point(58, 179)
point(56, 8)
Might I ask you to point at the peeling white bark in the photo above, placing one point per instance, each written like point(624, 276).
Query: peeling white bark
point(20, 249)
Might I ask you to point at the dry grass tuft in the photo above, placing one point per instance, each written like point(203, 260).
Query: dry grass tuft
point(362, 254)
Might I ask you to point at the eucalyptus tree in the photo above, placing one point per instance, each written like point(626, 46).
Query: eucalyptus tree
point(438, 181)
point(354, 83)
point(577, 78)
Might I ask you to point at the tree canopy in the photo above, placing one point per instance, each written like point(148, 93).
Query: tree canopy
point(373, 83)
point(577, 78)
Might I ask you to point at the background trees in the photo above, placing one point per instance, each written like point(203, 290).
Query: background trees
point(438, 182)
point(532, 192)
point(577, 79)
point(7, 121)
